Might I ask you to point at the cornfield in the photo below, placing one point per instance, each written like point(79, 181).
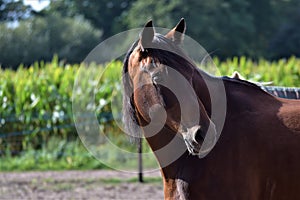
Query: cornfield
point(36, 102)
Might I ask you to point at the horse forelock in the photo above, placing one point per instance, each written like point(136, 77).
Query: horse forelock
point(166, 52)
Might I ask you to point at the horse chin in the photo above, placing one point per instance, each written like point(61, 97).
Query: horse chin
point(192, 140)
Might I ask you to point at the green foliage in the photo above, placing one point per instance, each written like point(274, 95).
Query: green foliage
point(105, 14)
point(56, 155)
point(40, 96)
point(40, 38)
point(285, 72)
point(70, 28)
point(60, 154)
point(228, 27)
point(38, 100)
point(286, 41)
point(11, 10)
point(36, 110)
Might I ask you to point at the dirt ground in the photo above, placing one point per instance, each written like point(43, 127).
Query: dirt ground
point(100, 184)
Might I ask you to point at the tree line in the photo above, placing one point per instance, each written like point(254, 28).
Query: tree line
point(71, 28)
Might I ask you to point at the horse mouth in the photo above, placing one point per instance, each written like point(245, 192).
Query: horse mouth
point(193, 140)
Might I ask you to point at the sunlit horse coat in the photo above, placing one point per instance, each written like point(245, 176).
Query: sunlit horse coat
point(258, 153)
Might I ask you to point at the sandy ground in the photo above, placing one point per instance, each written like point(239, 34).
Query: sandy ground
point(100, 184)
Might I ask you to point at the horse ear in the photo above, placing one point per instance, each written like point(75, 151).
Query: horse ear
point(237, 75)
point(177, 33)
point(147, 35)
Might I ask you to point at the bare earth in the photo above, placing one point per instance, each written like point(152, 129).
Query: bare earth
point(102, 184)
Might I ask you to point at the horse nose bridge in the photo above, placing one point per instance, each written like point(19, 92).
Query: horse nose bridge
point(190, 112)
point(157, 113)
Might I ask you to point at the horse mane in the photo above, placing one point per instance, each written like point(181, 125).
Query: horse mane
point(166, 52)
point(130, 119)
point(245, 83)
point(174, 54)
point(240, 81)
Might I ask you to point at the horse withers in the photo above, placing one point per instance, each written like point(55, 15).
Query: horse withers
point(256, 155)
point(278, 91)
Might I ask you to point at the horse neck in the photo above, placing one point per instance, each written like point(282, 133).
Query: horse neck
point(243, 96)
point(200, 80)
point(170, 169)
point(168, 148)
point(236, 90)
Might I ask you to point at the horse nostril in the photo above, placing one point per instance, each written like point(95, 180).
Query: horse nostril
point(156, 78)
point(199, 136)
point(157, 114)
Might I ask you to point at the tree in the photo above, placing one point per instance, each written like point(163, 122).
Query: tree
point(11, 10)
point(104, 14)
point(227, 27)
point(286, 41)
point(224, 26)
point(40, 38)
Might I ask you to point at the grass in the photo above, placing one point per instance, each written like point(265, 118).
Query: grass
point(72, 155)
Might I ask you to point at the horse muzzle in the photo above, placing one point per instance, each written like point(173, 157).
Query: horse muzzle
point(193, 139)
point(198, 141)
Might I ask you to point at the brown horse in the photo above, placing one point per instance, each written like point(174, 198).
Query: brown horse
point(255, 157)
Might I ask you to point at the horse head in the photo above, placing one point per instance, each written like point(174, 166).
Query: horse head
point(159, 89)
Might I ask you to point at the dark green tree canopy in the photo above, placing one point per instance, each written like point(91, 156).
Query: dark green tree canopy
point(40, 38)
point(105, 14)
point(11, 10)
point(226, 28)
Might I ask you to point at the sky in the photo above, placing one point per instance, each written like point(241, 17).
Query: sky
point(37, 5)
